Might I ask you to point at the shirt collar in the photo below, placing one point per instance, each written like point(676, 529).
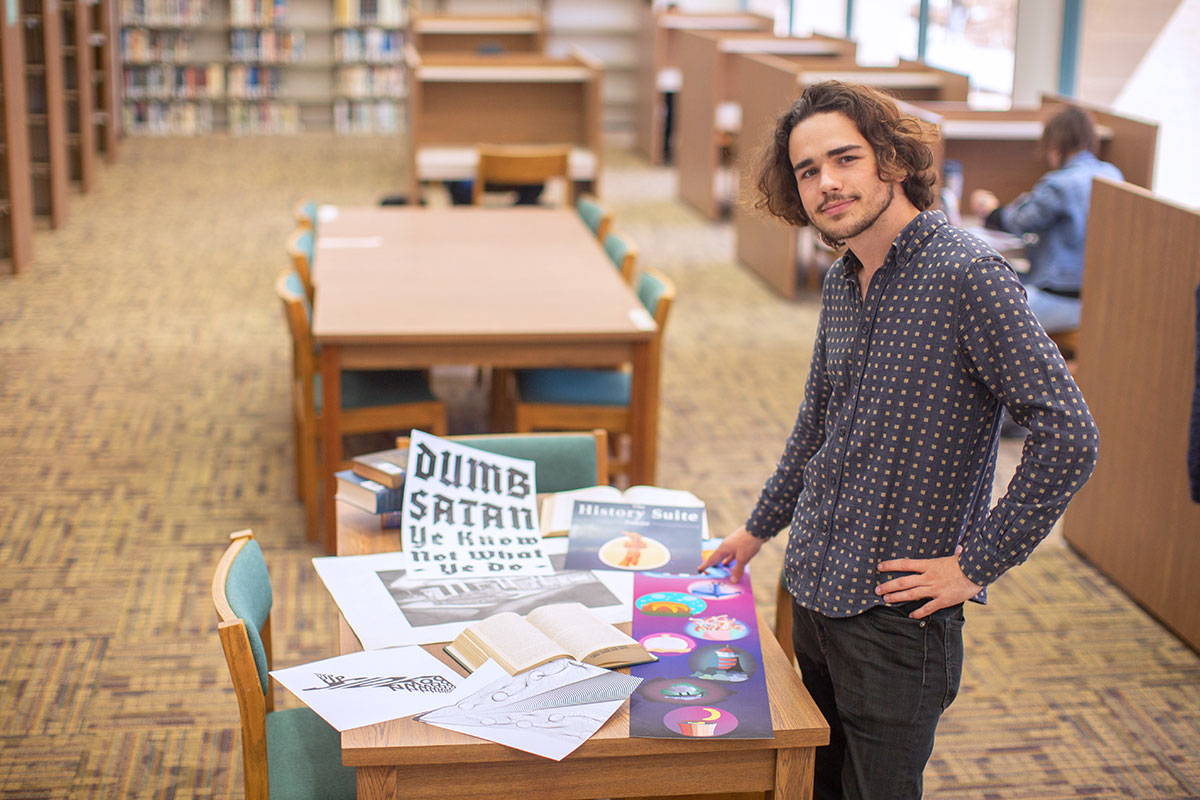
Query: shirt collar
point(906, 244)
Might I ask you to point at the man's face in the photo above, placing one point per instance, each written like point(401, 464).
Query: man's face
point(837, 176)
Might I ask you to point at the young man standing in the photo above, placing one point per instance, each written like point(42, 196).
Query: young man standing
point(886, 479)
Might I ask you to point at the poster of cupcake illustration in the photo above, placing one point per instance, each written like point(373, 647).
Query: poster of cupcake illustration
point(707, 682)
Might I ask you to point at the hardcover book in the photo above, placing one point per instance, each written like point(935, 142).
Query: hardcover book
point(385, 467)
point(561, 630)
point(367, 494)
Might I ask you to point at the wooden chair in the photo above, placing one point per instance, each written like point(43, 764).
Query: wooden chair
point(372, 400)
point(521, 165)
point(563, 461)
point(623, 254)
point(306, 215)
point(300, 247)
point(289, 753)
point(595, 216)
point(570, 399)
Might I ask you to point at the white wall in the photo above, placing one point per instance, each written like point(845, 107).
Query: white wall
point(1165, 86)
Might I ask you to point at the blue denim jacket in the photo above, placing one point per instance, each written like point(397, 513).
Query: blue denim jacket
point(1056, 209)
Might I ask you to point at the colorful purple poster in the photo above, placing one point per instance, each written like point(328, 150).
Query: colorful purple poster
point(708, 680)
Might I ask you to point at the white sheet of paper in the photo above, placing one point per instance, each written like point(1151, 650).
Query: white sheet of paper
point(371, 686)
point(468, 513)
point(528, 712)
point(386, 608)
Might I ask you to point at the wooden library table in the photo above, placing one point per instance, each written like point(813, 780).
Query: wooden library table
point(503, 287)
point(408, 759)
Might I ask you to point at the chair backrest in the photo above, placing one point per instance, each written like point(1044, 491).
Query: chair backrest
point(297, 311)
point(595, 216)
point(657, 293)
point(563, 461)
point(306, 215)
point(522, 165)
point(241, 594)
point(300, 248)
point(623, 254)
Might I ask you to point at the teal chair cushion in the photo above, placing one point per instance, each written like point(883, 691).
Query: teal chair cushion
point(650, 290)
point(617, 248)
point(563, 462)
point(589, 387)
point(296, 286)
point(248, 592)
point(305, 243)
point(310, 211)
point(591, 213)
point(366, 388)
point(304, 758)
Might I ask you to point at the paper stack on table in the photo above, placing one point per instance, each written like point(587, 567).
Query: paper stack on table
point(371, 686)
point(548, 711)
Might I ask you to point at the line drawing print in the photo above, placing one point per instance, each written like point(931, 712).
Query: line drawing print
point(423, 683)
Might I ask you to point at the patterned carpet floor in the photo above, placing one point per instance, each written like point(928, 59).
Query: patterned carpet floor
point(144, 415)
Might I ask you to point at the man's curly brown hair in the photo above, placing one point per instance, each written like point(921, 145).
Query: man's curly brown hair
point(902, 145)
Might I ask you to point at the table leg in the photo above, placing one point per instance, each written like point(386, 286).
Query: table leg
point(643, 408)
point(331, 439)
point(793, 774)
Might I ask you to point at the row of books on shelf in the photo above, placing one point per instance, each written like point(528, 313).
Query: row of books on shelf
point(165, 12)
point(360, 81)
point(371, 44)
point(366, 116)
point(264, 118)
point(154, 118)
point(267, 46)
point(166, 82)
point(140, 46)
point(252, 82)
point(257, 12)
point(369, 12)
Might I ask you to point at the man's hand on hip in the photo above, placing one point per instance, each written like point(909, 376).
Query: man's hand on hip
point(738, 547)
point(939, 579)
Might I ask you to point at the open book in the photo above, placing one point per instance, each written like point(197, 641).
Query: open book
point(558, 509)
point(555, 631)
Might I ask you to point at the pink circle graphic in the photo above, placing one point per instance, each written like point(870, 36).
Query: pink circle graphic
point(668, 644)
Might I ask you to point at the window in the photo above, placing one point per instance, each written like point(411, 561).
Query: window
point(976, 37)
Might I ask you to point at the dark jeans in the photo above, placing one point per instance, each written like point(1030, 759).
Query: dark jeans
point(882, 681)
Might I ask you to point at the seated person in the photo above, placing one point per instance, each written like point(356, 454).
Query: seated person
point(1055, 212)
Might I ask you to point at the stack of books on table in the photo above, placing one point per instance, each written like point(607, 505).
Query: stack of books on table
point(375, 483)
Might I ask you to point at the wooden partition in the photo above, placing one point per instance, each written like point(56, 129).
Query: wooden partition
point(768, 85)
point(658, 65)
point(16, 201)
point(457, 101)
point(711, 94)
point(1000, 150)
point(1134, 519)
point(47, 112)
point(444, 33)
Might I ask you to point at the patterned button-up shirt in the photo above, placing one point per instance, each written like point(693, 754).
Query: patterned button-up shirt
point(894, 448)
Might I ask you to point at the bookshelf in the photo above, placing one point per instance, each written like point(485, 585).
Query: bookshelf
point(105, 58)
point(16, 201)
point(348, 75)
point(79, 92)
point(370, 82)
point(47, 111)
